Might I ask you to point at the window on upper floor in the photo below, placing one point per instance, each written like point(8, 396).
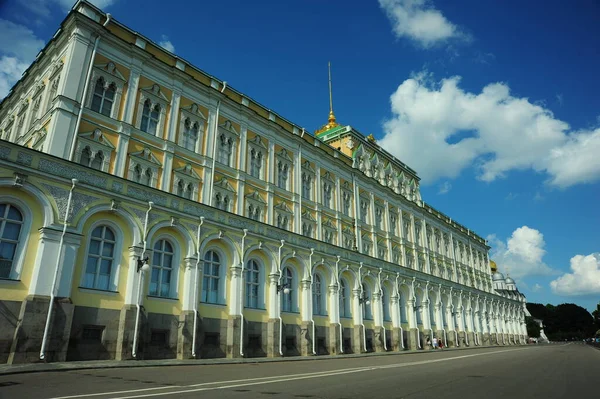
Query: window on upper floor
point(327, 188)
point(185, 189)
point(225, 149)
point(282, 221)
point(283, 171)
point(307, 229)
point(150, 117)
point(53, 92)
point(393, 222)
point(190, 134)
point(223, 201)
point(364, 210)
point(379, 217)
point(318, 286)
point(307, 183)
point(254, 212)
point(103, 97)
point(255, 161)
point(92, 160)
point(346, 203)
point(328, 235)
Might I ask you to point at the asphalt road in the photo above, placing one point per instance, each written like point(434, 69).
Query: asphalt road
point(551, 371)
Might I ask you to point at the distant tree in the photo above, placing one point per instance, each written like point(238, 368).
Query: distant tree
point(533, 327)
point(566, 321)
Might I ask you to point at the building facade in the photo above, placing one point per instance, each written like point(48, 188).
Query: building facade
point(149, 210)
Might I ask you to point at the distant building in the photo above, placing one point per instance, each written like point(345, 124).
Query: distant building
point(262, 239)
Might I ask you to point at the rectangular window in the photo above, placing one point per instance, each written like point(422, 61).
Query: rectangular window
point(159, 337)
point(212, 339)
point(92, 333)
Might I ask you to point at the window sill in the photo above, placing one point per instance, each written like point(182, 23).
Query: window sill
point(213, 304)
point(4, 280)
point(162, 298)
point(255, 309)
point(322, 316)
point(290, 312)
point(97, 291)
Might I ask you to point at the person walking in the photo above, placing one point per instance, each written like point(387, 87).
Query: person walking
point(435, 343)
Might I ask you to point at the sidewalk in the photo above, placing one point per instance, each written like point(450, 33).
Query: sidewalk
point(6, 369)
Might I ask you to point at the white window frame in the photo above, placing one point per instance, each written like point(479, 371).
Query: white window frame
point(283, 216)
point(319, 302)
point(255, 158)
point(364, 210)
point(111, 75)
point(174, 283)
point(155, 96)
point(97, 143)
point(284, 162)
point(189, 178)
point(260, 284)
point(222, 189)
point(24, 234)
point(118, 251)
point(195, 116)
point(255, 207)
point(147, 162)
point(223, 262)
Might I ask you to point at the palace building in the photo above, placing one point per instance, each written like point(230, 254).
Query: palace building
point(149, 210)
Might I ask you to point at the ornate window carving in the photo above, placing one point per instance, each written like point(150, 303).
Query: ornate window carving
point(364, 210)
point(381, 250)
point(379, 217)
point(327, 189)
point(329, 231)
point(348, 236)
point(308, 224)
point(255, 206)
point(367, 244)
point(308, 175)
point(186, 182)
point(143, 167)
point(106, 84)
point(152, 110)
point(226, 143)
point(393, 222)
point(284, 165)
point(94, 150)
point(256, 158)
point(346, 199)
point(396, 255)
point(283, 215)
point(224, 195)
point(191, 127)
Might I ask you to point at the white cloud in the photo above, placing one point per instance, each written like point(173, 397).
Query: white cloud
point(439, 129)
point(511, 196)
point(166, 44)
point(537, 288)
point(419, 21)
point(445, 187)
point(522, 254)
point(584, 279)
point(19, 46)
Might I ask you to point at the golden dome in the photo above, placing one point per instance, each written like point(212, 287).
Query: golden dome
point(493, 266)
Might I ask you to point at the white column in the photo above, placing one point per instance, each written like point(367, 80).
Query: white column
point(318, 202)
point(121, 152)
point(357, 315)
point(334, 304)
point(274, 300)
point(378, 308)
point(395, 310)
point(167, 167)
point(306, 293)
point(412, 319)
point(131, 96)
point(244, 152)
point(172, 132)
point(450, 317)
point(298, 192)
point(237, 289)
point(189, 285)
point(43, 267)
point(427, 247)
point(131, 290)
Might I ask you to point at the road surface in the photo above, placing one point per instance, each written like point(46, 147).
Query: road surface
point(544, 371)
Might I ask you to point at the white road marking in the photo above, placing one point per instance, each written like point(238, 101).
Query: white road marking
point(296, 377)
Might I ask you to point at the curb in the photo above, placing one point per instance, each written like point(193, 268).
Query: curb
point(112, 364)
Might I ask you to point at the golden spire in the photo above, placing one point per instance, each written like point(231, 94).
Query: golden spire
point(331, 123)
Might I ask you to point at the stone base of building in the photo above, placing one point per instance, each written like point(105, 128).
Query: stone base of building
point(462, 339)
point(29, 331)
point(307, 341)
point(358, 339)
point(234, 336)
point(451, 338)
point(493, 339)
point(185, 336)
point(397, 340)
point(334, 339)
point(379, 337)
point(413, 339)
point(485, 341)
point(470, 338)
point(273, 333)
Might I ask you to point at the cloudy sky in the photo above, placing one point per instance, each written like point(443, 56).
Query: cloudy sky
point(495, 104)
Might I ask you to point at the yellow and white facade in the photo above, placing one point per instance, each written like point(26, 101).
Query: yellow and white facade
point(260, 238)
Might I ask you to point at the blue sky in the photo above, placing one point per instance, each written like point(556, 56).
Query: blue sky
point(495, 104)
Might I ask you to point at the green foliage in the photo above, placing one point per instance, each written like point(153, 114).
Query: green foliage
point(564, 321)
point(533, 327)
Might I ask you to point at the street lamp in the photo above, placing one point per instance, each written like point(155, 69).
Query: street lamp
point(364, 299)
point(283, 287)
point(143, 264)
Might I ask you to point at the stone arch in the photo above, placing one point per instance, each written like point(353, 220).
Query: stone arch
point(228, 248)
point(404, 292)
point(128, 218)
point(189, 250)
point(41, 197)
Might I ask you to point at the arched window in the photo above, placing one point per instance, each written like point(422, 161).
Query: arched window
point(86, 156)
point(282, 175)
point(100, 259)
point(162, 269)
point(11, 221)
point(146, 177)
point(150, 117)
point(287, 300)
point(318, 297)
point(253, 282)
point(184, 189)
point(225, 150)
point(190, 134)
point(307, 186)
point(103, 98)
point(211, 282)
point(344, 299)
point(98, 161)
point(385, 304)
point(367, 310)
